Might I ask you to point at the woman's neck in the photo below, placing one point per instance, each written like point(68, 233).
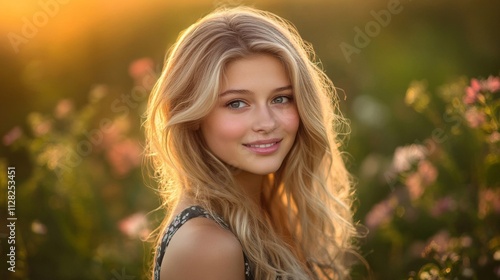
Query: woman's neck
point(252, 184)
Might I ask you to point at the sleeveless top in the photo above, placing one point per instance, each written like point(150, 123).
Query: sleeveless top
point(179, 220)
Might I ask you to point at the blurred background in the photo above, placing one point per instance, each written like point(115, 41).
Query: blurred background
point(418, 80)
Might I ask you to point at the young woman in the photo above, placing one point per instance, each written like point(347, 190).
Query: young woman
point(239, 129)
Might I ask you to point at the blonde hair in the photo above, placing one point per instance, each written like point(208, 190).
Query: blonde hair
point(306, 230)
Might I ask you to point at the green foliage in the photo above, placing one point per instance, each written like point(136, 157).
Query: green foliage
point(81, 209)
point(84, 200)
point(440, 221)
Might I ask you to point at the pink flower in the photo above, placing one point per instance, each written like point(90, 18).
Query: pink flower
point(474, 117)
point(134, 226)
point(494, 137)
point(489, 202)
point(475, 85)
point(140, 67)
point(405, 157)
point(124, 156)
point(414, 185)
point(381, 213)
point(63, 108)
point(42, 128)
point(417, 182)
point(440, 241)
point(142, 71)
point(470, 96)
point(39, 124)
point(427, 172)
point(443, 205)
point(492, 84)
point(115, 132)
point(11, 136)
point(472, 93)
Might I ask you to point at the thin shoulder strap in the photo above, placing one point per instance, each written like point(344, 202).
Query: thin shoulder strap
point(179, 220)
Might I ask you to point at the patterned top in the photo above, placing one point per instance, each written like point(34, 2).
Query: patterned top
point(179, 220)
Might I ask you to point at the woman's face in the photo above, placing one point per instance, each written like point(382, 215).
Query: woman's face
point(255, 120)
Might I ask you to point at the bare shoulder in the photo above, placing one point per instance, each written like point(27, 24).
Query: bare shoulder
point(201, 249)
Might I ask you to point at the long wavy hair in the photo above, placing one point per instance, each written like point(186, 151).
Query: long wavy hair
point(304, 227)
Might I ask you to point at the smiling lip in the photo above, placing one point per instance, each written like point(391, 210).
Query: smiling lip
point(264, 147)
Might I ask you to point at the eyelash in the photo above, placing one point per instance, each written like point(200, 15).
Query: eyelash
point(228, 105)
point(289, 97)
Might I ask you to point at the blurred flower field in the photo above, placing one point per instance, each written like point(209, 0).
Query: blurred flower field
point(82, 210)
point(441, 219)
point(422, 98)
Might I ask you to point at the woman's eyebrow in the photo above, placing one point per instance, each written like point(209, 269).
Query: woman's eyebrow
point(289, 87)
point(229, 91)
point(244, 91)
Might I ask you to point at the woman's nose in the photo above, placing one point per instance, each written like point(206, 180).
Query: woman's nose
point(264, 120)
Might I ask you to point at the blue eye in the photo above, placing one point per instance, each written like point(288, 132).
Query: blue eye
point(235, 104)
point(282, 99)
